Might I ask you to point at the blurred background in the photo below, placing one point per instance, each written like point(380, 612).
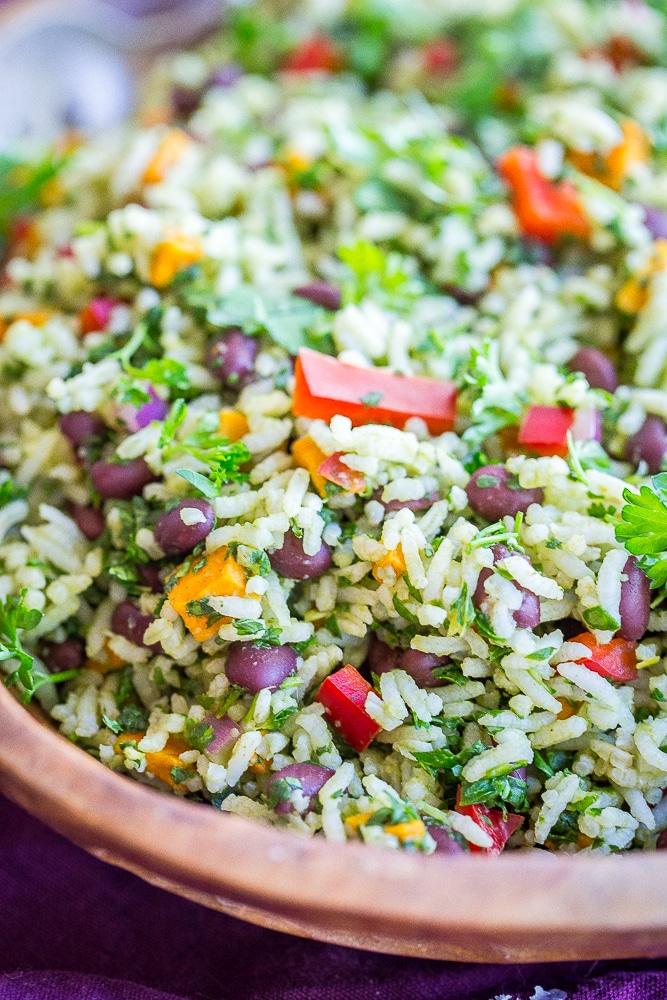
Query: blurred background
point(76, 63)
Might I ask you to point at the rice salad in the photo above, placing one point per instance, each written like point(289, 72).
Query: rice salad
point(334, 414)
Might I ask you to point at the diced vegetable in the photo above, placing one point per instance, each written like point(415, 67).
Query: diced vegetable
point(97, 314)
point(307, 455)
point(633, 295)
point(343, 695)
point(334, 470)
point(169, 152)
point(325, 387)
point(546, 210)
point(413, 829)
point(36, 317)
point(215, 575)
point(613, 168)
point(359, 819)
point(498, 825)
point(317, 54)
point(171, 256)
point(161, 763)
point(544, 429)
point(232, 425)
point(105, 661)
point(616, 660)
point(395, 561)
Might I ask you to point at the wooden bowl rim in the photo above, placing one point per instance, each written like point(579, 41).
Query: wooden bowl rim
point(254, 863)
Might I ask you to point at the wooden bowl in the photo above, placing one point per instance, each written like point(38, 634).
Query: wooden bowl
point(516, 908)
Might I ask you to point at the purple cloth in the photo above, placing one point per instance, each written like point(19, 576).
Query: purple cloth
point(73, 928)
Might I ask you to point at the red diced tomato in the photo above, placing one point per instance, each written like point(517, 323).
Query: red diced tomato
point(545, 209)
point(440, 57)
point(325, 387)
point(97, 314)
point(319, 53)
point(335, 471)
point(499, 827)
point(616, 660)
point(343, 695)
point(544, 429)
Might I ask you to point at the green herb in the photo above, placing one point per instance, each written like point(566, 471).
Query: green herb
point(199, 482)
point(498, 792)
point(202, 609)
point(199, 734)
point(389, 278)
point(255, 560)
point(9, 492)
point(264, 635)
point(21, 183)
point(281, 790)
point(585, 455)
point(434, 761)
point(277, 720)
point(403, 611)
point(643, 529)
point(598, 618)
point(542, 654)
point(181, 774)
point(172, 422)
point(131, 719)
point(553, 543)
point(15, 618)
point(450, 672)
point(111, 724)
point(496, 404)
point(464, 608)
point(550, 762)
point(289, 320)
point(371, 399)
point(657, 695)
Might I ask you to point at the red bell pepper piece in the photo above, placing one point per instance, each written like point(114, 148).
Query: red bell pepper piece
point(499, 826)
point(318, 53)
point(440, 57)
point(544, 428)
point(616, 660)
point(545, 209)
point(335, 471)
point(343, 695)
point(325, 387)
point(97, 314)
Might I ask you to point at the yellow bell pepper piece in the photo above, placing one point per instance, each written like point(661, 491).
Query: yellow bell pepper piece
point(307, 455)
point(158, 762)
point(232, 425)
point(394, 560)
point(171, 256)
point(413, 829)
point(219, 576)
point(169, 152)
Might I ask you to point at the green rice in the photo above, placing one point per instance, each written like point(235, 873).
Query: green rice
point(381, 179)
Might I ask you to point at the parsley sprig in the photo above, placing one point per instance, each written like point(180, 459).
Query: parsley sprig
point(643, 528)
point(16, 617)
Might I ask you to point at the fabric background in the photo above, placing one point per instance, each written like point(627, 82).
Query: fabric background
point(73, 928)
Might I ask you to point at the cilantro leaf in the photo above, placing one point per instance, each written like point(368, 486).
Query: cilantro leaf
point(9, 492)
point(598, 618)
point(199, 482)
point(644, 515)
point(16, 617)
point(499, 792)
point(288, 320)
point(199, 734)
point(434, 761)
